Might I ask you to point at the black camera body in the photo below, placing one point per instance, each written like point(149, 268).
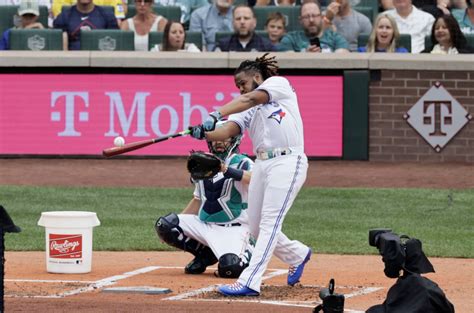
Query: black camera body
point(332, 302)
point(392, 249)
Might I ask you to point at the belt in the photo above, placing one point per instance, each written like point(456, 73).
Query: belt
point(273, 153)
point(229, 225)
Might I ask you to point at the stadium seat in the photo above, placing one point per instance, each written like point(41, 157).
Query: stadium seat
point(405, 41)
point(292, 14)
point(367, 11)
point(36, 39)
point(191, 37)
point(470, 39)
point(7, 13)
point(170, 12)
point(107, 40)
point(373, 4)
point(428, 43)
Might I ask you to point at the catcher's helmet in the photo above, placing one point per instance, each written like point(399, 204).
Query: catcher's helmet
point(231, 146)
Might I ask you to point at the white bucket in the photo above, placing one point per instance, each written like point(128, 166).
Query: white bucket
point(68, 240)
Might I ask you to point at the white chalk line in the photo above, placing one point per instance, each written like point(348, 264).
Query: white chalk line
point(50, 281)
point(95, 285)
point(308, 304)
point(99, 284)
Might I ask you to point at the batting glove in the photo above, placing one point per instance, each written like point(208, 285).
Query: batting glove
point(210, 122)
point(197, 132)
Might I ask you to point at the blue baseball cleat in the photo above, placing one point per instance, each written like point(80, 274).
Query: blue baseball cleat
point(236, 289)
point(295, 272)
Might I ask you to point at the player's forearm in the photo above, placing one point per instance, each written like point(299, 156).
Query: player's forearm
point(244, 102)
point(229, 130)
point(246, 177)
point(192, 207)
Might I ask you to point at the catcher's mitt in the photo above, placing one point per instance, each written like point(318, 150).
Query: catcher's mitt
point(203, 165)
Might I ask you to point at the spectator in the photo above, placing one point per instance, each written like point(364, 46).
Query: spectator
point(244, 37)
point(46, 3)
point(84, 16)
point(384, 36)
point(413, 21)
point(275, 27)
point(278, 3)
point(174, 39)
point(143, 23)
point(458, 4)
point(313, 38)
point(119, 6)
point(385, 5)
point(465, 18)
point(186, 7)
point(347, 22)
point(29, 14)
point(210, 19)
point(447, 37)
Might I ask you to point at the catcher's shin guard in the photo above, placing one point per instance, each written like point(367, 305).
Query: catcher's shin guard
point(199, 264)
point(168, 230)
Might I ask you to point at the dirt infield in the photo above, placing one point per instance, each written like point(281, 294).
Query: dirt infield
point(30, 288)
point(172, 173)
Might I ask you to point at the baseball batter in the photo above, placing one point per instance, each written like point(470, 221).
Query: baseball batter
point(214, 225)
point(268, 109)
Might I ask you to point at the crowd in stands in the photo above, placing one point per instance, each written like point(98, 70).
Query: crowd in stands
point(326, 26)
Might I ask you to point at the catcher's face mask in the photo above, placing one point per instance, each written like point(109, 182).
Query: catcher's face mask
point(222, 149)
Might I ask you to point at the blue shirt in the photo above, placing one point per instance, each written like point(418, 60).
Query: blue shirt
point(467, 27)
point(256, 43)
point(5, 40)
point(397, 50)
point(73, 22)
point(298, 41)
point(208, 21)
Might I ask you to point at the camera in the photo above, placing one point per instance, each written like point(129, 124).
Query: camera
point(332, 302)
point(391, 248)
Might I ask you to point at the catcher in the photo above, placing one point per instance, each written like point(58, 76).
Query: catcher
point(214, 225)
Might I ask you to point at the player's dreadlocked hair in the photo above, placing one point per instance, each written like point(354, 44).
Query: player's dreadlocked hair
point(266, 66)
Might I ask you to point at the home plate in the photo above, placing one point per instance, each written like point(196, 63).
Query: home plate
point(138, 289)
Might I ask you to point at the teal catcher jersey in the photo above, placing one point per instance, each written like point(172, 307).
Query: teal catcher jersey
point(223, 199)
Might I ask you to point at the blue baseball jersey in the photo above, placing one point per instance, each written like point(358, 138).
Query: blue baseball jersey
point(73, 22)
point(223, 199)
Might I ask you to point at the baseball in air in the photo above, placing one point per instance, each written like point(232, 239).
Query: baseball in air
point(119, 141)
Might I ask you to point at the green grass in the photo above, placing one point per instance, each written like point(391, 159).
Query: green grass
point(329, 220)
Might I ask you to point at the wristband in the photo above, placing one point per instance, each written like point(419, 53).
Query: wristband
point(234, 173)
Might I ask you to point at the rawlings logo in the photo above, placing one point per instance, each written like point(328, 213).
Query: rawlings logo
point(65, 246)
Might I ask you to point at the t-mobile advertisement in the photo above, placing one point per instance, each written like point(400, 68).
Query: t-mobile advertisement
point(81, 114)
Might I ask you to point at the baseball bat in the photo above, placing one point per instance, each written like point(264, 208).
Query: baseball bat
point(140, 144)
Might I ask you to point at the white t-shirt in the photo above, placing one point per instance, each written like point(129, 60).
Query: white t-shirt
point(276, 124)
point(418, 24)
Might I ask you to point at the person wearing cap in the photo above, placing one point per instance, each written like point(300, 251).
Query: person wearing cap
point(28, 11)
point(84, 16)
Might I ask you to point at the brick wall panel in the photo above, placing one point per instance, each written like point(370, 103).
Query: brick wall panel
point(456, 75)
point(392, 139)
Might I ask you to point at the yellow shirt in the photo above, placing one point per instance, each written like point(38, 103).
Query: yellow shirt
point(118, 5)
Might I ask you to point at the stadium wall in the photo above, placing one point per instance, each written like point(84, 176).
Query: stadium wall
point(379, 90)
